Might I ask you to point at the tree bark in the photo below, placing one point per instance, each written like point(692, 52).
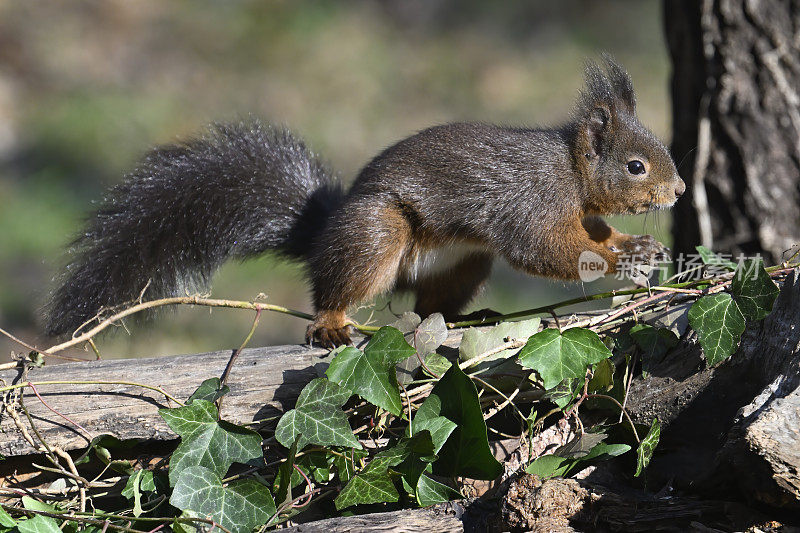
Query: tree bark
point(736, 124)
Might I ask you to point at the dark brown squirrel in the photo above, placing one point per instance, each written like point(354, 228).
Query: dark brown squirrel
point(427, 215)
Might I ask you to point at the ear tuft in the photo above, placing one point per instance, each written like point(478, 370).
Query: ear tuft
point(611, 88)
point(621, 83)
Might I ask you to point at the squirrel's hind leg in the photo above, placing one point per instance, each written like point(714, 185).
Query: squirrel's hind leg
point(364, 245)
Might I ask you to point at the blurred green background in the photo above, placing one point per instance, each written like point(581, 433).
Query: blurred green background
point(87, 86)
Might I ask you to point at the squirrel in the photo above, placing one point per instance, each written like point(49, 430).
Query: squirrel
point(428, 214)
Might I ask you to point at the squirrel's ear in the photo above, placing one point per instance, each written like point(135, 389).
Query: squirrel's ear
point(621, 83)
point(597, 128)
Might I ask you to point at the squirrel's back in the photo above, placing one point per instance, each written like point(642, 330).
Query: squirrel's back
point(238, 191)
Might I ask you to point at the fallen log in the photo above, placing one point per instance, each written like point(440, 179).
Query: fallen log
point(264, 382)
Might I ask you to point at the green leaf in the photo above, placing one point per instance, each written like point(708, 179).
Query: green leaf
point(475, 342)
point(557, 356)
point(753, 290)
point(430, 492)
point(427, 418)
point(318, 418)
point(580, 446)
point(284, 478)
point(372, 485)
point(438, 364)
point(210, 390)
point(719, 325)
point(466, 451)
point(317, 465)
point(346, 466)
point(606, 451)
point(140, 481)
point(602, 377)
point(371, 374)
point(239, 507)
point(710, 258)
point(564, 393)
point(655, 343)
point(206, 441)
point(410, 457)
point(646, 448)
point(35, 505)
point(6, 520)
point(548, 466)
point(38, 524)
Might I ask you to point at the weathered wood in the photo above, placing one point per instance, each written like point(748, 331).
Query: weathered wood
point(763, 447)
point(736, 124)
point(747, 407)
point(264, 382)
point(422, 520)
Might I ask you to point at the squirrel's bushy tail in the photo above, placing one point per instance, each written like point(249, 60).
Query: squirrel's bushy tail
point(238, 191)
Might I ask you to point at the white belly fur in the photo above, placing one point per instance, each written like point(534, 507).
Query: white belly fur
point(430, 262)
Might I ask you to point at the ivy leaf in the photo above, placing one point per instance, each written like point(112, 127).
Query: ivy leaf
point(346, 466)
point(655, 343)
point(35, 505)
point(371, 374)
point(602, 377)
point(410, 457)
point(239, 507)
point(138, 482)
point(6, 521)
point(210, 390)
point(317, 418)
point(38, 524)
point(430, 492)
point(316, 465)
point(548, 466)
point(606, 451)
point(466, 451)
point(719, 324)
point(284, 478)
point(475, 342)
point(438, 364)
point(564, 393)
point(646, 448)
point(372, 485)
point(753, 290)
point(208, 442)
point(427, 418)
point(557, 356)
point(430, 334)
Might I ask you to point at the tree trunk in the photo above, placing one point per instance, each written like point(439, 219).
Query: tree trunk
point(736, 124)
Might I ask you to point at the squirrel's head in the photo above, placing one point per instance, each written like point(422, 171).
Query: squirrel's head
point(626, 169)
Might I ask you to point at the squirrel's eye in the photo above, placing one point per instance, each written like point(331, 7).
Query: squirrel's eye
point(636, 167)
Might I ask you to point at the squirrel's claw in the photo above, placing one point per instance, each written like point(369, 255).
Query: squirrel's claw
point(645, 249)
point(328, 337)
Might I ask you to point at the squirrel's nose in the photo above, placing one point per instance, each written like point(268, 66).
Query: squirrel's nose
point(680, 187)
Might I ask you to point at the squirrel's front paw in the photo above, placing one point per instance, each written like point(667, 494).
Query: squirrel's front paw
point(643, 249)
point(329, 329)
